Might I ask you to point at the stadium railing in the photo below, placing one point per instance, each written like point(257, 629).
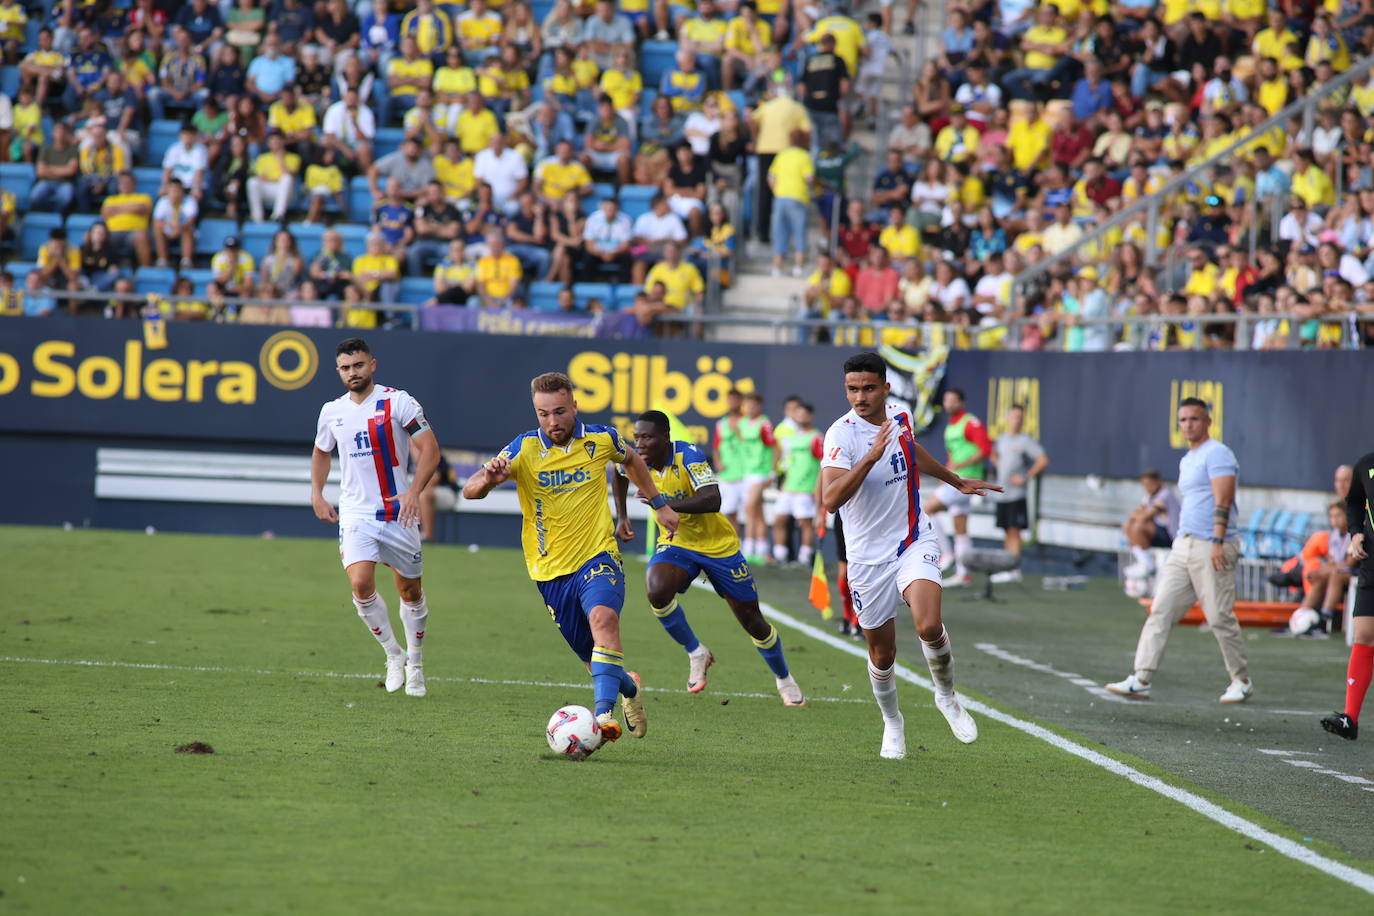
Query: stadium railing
point(1304, 108)
point(1135, 329)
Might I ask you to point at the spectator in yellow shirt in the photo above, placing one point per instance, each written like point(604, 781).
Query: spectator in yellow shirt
point(1043, 44)
point(377, 273)
point(1277, 41)
point(826, 286)
point(405, 77)
point(562, 175)
point(323, 180)
point(1309, 182)
point(99, 162)
point(1326, 44)
point(498, 273)
point(233, 270)
point(1203, 276)
point(296, 121)
point(901, 241)
point(273, 179)
point(681, 280)
point(790, 177)
point(127, 214)
point(1028, 137)
point(958, 140)
point(748, 41)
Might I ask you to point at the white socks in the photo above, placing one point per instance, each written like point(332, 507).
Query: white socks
point(413, 618)
point(940, 662)
point(1143, 556)
point(780, 552)
point(962, 544)
point(374, 613)
point(884, 691)
point(805, 553)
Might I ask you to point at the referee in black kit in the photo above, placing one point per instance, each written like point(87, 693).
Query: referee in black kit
point(1358, 502)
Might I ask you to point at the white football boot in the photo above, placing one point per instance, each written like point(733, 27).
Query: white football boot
point(960, 722)
point(395, 672)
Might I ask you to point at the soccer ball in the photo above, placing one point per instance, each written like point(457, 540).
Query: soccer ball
point(1137, 587)
point(573, 732)
point(1303, 620)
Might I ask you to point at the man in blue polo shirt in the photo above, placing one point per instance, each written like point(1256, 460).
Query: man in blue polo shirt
point(1202, 562)
point(86, 68)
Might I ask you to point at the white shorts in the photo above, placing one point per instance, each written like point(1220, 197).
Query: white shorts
point(391, 543)
point(732, 494)
point(957, 503)
point(877, 590)
point(797, 505)
point(684, 206)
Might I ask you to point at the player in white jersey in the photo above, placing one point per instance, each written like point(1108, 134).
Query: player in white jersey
point(870, 475)
point(375, 429)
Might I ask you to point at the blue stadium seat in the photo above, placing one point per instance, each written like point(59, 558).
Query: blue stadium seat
point(1295, 533)
point(201, 277)
point(31, 30)
point(415, 290)
point(77, 224)
point(1251, 531)
point(9, 81)
point(211, 233)
point(162, 135)
point(354, 237)
point(625, 295)
point(646, 101)
point(309, 238)
point(359, 198)
point(540, 9)
point(655, 59)
point(634, 199)
point(388, 140)
point(20, 270)
point(583, 293)
point(256, 238)
point(544, 296)
point(149, 180)
point(18, 178)
point(154, 280)
point(33, 232)
point(1271, 540)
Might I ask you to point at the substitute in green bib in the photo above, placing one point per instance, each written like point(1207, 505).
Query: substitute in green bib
point(801, 468)
point(759, 455)
point(729, 459)
point(967, 448)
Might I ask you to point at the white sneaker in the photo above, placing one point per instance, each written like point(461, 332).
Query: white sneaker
point(960, 722)
point(395, 671)
point(698, 662)
point(415, 680)
point(789, 691)
point(1138, 571)
point(1132, 688)
point(957, 581)
point(894, 739)
point(1239, 691)
point(1011, 575)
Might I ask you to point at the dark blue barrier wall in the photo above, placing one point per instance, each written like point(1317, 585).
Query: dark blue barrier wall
point(1290, 417)
point(68, 386)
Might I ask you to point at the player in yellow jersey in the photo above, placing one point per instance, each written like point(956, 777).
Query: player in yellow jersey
point(705, 541)
point(559, 471)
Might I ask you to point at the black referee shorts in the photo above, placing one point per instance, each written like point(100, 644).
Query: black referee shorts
point(1013, 514)
point(838, 529)
point(1364, 589)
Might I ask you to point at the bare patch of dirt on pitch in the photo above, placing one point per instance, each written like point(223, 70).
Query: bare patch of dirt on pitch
point(195, 747)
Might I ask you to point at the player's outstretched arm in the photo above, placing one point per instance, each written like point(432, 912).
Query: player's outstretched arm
point(319, 473)
point(620, 488)
point(840, 484)
point(494, 473)
point(705, 500)
point(639, 475)
point(926, 464)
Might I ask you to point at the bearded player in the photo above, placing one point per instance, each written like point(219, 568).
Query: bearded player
point(705, 543)
point(376, 430)
point(871, 476)
point(559, 471)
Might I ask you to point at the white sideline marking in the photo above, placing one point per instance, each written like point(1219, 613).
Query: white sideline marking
point(1091, 686)
point(1190, 800)
point(1312, 766)
point(87, 663)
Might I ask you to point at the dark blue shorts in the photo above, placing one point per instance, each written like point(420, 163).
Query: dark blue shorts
point(730, 576)
point(571, 598)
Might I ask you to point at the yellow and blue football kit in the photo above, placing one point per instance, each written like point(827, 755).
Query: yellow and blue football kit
point(569, 540)
point(705, 543)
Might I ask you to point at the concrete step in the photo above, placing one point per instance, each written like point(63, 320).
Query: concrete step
point(761, 294)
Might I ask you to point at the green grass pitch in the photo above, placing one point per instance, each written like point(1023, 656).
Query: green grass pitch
point(325, 794)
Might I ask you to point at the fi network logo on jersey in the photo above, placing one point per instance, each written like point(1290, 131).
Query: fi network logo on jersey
point(361, 440)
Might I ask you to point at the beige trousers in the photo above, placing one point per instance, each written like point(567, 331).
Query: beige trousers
point(1188, 576)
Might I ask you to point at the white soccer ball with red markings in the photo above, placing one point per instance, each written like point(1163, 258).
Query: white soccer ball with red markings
point(573, 732)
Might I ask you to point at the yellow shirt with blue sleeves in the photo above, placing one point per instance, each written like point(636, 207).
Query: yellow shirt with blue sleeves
point(706, 533)
point(564, 497)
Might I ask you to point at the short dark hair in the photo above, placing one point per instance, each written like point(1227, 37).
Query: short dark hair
point(753, 396)
point(352, 345)
point(1195, 402)
point(866, 362)
point(1150, 474)
point(807, 406)
point(793, 397)
point(958, 391)
point(658, 418)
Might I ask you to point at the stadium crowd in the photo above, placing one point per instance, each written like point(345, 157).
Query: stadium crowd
point(595, 156)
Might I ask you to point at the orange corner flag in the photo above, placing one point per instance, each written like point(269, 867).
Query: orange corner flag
point(820, 587)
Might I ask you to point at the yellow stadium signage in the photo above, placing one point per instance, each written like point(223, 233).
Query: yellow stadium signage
point(56, 369)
